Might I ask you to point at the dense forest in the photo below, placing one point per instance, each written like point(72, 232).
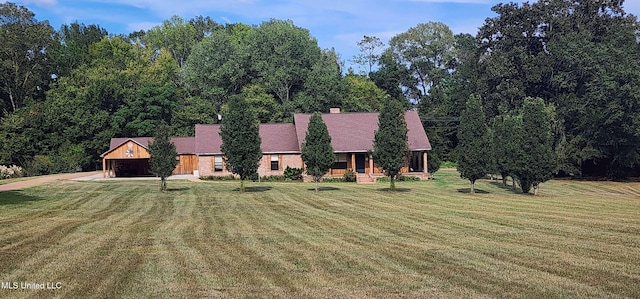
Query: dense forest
point(64, 93)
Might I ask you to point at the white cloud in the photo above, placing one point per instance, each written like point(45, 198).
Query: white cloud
point(353, 38)
point(167, 8)
point(455, 1)
point(137, 26)
point(39, 2)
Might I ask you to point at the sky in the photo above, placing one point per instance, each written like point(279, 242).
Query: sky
point(337, 24)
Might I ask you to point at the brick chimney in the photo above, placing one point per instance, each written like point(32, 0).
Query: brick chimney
point(334, 110)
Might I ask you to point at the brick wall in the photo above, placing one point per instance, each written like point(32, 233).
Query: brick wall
point(205, 164)
point(205, 167)
point(291, 160)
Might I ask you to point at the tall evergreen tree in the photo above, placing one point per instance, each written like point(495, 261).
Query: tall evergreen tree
point(317, 152)
point(240, 134)
point(390, 142)
point(506, 144)
point(474, 159)
point(537, 162)
point(163, 155)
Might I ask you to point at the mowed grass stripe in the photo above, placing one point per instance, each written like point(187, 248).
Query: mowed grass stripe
point(125, 239)
point(95, 248)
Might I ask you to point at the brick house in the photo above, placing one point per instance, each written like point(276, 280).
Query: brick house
point(352, 137)
point(279, 149)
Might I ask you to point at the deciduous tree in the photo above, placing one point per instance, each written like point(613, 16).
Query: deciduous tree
point(263, 103)
point(282, 56)
point(216, 69)
point(204, 26)
point(561, 51)
point(362, 95)
point(25, 67)
point(323, 88)
point(391, 77)
point(371, 48)
point(427, 51)
point(174, 35)
point(190, 112)
point(72, 47)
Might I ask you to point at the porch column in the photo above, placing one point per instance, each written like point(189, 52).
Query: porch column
point(353, 162)
point(370, 165)
point(424, 163)
point(104, 173)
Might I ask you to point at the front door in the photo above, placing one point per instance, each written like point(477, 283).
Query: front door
point(360, 163)
point(416, 163)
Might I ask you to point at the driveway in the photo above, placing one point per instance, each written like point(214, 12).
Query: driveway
point(83, 176)
point(46, 179)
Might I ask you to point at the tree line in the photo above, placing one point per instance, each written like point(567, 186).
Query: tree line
point(66, 92)
point(580, 57)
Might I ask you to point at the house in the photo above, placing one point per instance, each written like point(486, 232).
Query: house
point(352, 136)
point(279, 149)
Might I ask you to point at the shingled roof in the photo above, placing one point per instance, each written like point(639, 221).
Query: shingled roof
point(276, 138)
point(354, 132)
point(208, 140)
point(184, 145)
point(350, 132)
point(279, 138)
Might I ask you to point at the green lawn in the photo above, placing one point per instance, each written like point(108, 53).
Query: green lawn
point(430, 239)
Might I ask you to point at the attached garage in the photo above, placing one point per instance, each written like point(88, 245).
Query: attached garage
point(129, 157)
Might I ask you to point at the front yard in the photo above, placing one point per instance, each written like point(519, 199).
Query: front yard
point(429, 239)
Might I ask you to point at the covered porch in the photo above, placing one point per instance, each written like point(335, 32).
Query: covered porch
point(363, 163)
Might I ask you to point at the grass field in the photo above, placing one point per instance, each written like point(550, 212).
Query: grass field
point(430, 239)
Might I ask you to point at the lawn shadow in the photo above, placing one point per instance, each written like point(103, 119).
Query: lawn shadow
point(16, 197)
point(468, 190)
point(178, 189)
point(255, 189)
point(397, 190)
point(324, 188)
point(508, 187)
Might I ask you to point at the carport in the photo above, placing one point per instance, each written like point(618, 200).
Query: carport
point(126, 157)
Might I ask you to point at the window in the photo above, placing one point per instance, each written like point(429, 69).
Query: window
point(217, 164)
point(340, 162)
point(274, 162)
